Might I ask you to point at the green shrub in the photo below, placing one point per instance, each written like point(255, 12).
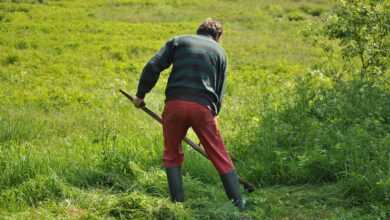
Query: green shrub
point(327, 134)
point(363, 32)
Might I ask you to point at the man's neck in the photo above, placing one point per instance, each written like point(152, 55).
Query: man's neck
point(208, 36)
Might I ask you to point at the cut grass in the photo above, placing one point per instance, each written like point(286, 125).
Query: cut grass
point(278, 202)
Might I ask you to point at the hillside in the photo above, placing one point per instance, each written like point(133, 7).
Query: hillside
point(72, 147)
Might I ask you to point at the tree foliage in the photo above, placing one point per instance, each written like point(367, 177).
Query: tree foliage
point(363, 28)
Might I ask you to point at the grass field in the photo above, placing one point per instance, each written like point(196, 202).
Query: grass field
point(71, 147)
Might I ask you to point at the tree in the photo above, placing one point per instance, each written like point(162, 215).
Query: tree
point(363, 28)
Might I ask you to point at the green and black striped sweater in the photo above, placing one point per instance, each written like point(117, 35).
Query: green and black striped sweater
point(198, 72)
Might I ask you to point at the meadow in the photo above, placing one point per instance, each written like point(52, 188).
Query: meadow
point(313, 139)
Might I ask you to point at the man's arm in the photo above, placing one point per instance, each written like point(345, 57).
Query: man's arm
point(222, 83)
point(151, 72)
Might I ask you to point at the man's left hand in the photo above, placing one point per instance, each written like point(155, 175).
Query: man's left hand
point(138, 102)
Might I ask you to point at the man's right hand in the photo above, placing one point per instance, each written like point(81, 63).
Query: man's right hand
point(138, 102)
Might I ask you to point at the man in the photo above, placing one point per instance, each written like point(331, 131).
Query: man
point(193, 99)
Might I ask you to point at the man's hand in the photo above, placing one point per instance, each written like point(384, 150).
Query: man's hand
point(138, 102)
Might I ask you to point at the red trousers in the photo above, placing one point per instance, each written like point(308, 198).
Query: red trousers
point(178, 117)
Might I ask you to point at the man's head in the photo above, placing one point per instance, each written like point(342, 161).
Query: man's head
point(212, 28)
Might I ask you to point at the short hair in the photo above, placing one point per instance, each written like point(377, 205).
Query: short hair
point(211, 27)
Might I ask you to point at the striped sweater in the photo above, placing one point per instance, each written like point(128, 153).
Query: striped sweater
point(198, 71)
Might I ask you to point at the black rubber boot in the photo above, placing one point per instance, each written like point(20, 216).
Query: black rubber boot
point(232, 189)
point(175, 184)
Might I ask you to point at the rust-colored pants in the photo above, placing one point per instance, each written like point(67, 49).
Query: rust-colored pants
point(178, 117)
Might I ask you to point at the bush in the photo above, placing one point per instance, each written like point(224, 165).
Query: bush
point(363, 32)
point(327, 134)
